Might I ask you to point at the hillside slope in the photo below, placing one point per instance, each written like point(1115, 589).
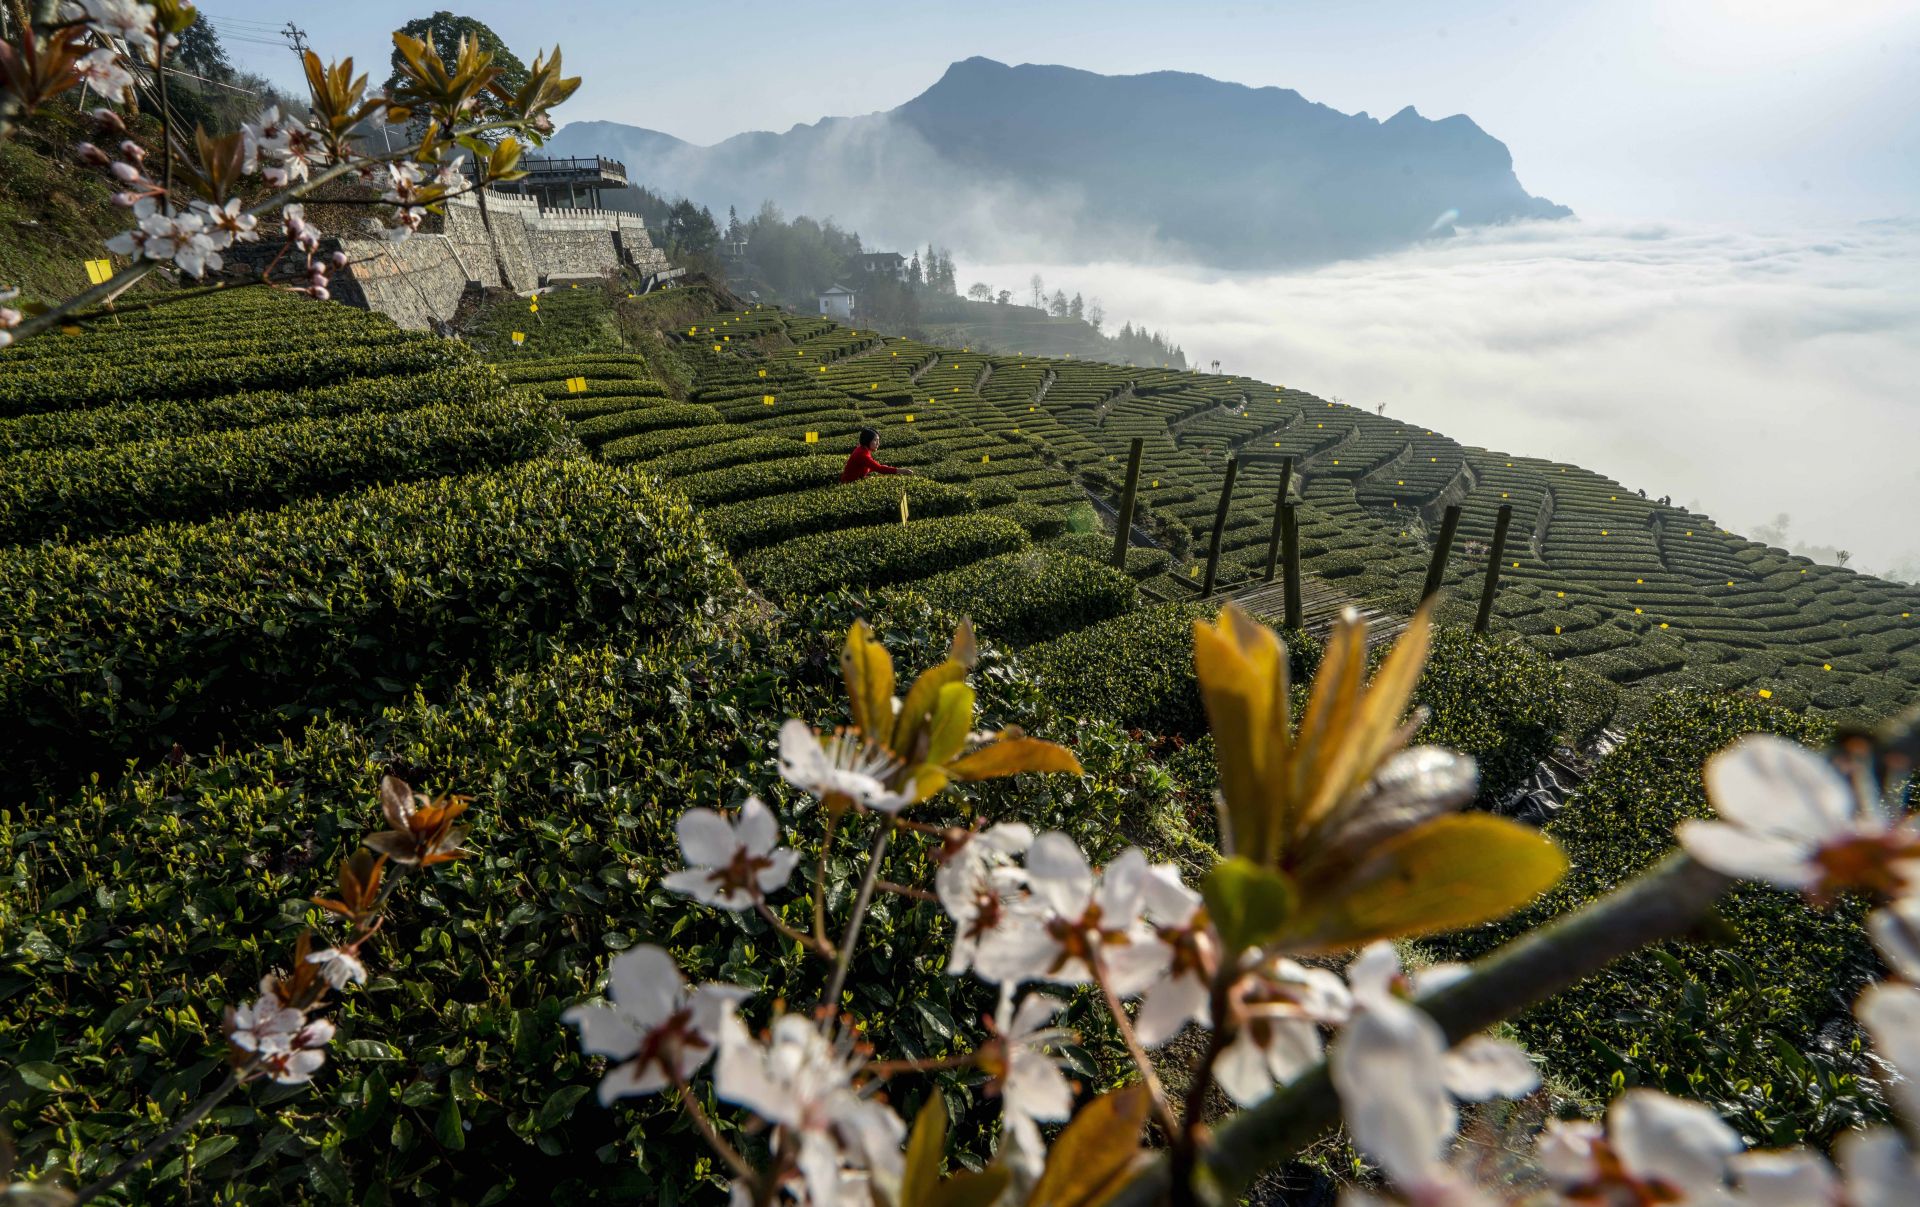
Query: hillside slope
point(1003, 159)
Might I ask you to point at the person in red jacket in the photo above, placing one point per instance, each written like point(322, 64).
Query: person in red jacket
point(862, 462)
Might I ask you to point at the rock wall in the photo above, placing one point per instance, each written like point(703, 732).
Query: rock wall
point(516, 245)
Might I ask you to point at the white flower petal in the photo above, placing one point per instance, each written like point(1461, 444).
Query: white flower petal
point(1879, 1168)
point(706, 838)
point(1796, 1178)
point(645, 983)
point(1375, 971)
point(778, 871)
point(1891, 1014)
point(1387, 1067)
point(1241, 1070)
point(604, 1031)
point(1682, 1143)
point(1059, 874)
point(1747, 855)
point(1768, 783)
point(1896, 932)
point(1482, 1067)
point(758, 829)
point(1168, 1007)
point(1565, 1151)
point(629, 1079)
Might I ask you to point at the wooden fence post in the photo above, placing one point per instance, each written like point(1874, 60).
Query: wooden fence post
point(1279, 502)
point(1290, 537)
point(1220, 526)
point(1123, 533)
point(1492, 584)
point(1437, 569)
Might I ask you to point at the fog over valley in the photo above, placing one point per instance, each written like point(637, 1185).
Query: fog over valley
point(1752, 375)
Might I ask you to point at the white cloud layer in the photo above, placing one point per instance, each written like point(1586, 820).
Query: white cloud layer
point(1749, 375)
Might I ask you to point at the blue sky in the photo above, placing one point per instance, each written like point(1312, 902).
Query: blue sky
point(1753, 111)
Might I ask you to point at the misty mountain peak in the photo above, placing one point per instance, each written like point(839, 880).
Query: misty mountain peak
point(1076, 164)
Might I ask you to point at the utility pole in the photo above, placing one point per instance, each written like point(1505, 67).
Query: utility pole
point(296, 39)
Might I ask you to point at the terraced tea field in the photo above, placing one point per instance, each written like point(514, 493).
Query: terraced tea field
point(1628, 590)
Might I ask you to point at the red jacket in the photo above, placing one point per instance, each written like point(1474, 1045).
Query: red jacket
point(861, 463)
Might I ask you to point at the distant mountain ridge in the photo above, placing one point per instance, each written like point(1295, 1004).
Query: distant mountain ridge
point(1055, 163)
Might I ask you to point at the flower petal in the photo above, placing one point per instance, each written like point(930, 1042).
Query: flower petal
point(1768, 783)
point(604, 1031)
point(1387, 1067)
point(757, 830)
point(1482, 1067)
point(1746, 854)
point(645, 983)
point(706, 838)
point(1682, 1143)
point(1891, 1014)
point(1896, 932)
point(1059, 874)
point(1168, 1007)
point(1796, 1178)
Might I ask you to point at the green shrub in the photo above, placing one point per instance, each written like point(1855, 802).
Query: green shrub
point(206, 369)
point(1143, 561)
point(1041, 523)
point(720, 454)
point(602, 428)
point(1499, 701)
point(83, 493)
point(649, 445)
point(761, 478)
point(119, 423)
point(231, 629)
point(880, 555)
point(1032, 595)
point(876, 500)
point(1137, 669)
point(1756, 1022)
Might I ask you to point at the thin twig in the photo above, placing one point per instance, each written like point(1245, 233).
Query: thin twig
point(903, 890)
point(884, 1069)
point(802, 938)
point(1662, 904)
point(714, 1139)
point(161, 1142)
point(820, 879)
point(1141, 1060)
point(860, 904)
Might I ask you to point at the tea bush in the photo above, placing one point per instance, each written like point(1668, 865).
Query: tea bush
point(1497, 700)
point(630, 420)
point(879, 555)
point(231, 629)
point(1757, 1022)
point(1033, 595)
point(757, 523)
point(81, 493)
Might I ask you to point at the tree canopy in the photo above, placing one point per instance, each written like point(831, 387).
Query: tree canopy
point(443, 31)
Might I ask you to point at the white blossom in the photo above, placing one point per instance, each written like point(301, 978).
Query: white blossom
point(656, 1032)
point(1181, 996)
point(1032, 1088)
point(1786, 1178)
point(1896, 932)
point(1479, 1067)
point(339, 966)
point(1653, 1145)
point(127, 20)
point(1389, 1070)
point(803, 1084)
point(1073, 919)
point(1891, 1014)
point(101, 70)
point(227, 224)
point(1789, 818)
point(1277, 1015)
point(977, 883)
point(301, 1057)
point(263, 1022)
point(731, 864)
point(840, 765)
point(1880, 1169)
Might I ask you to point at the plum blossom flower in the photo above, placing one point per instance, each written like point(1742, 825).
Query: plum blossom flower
point(656, 1032)
point(1277, 1013)
point(731, 864)
point(340, 966)
point(1654, 1148)
point(1789, 818)
point(276, 1038)
point(263, 1022)
point(803, 1084)
point(128, 20)
point(227, 224)
point(841, 766)
point(1192, 952)
point(1476, 1069)
point(977, 882)
point(302, 1057)
point(102, 71)
point(1076, 927)
point(1032, 1088)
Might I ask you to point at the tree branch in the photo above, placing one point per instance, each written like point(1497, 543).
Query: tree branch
point(1662, 904)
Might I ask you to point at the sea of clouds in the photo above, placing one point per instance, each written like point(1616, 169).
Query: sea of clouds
point(1771, 380)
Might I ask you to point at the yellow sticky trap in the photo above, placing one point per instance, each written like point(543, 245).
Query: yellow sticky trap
point(1156, 482)
point(1765, 694)
point(767, 399)
point(983, 457)
point(576, 384)
point(903, 505)
point(823, 368)
point(519, 337)
point(813, 437)
point(909, 418)
point(1556, 630)
point(99, 272)
point(763, 372)
point(1193, 572)
point(693, 331)
point(716, 347)
point(1825, 666)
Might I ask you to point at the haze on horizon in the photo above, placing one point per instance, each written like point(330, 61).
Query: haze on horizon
point(1732, 319)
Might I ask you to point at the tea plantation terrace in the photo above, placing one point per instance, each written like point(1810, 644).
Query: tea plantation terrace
point(1624, 590)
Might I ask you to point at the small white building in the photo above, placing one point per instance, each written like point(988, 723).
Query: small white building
point(836, 301)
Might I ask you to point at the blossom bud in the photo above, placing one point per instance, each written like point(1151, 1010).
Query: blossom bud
point(108, 120)
point(133, 150)
point(338, 259)
point(126, 172)
point(126, 200)
point(90, 155)
point(320, 293)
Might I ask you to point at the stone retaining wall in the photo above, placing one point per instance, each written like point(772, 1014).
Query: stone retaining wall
point(419, 282)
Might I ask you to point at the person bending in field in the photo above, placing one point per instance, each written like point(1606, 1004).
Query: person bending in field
point(861, 462)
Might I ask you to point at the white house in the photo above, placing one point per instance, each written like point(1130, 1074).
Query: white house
point(837, 302)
